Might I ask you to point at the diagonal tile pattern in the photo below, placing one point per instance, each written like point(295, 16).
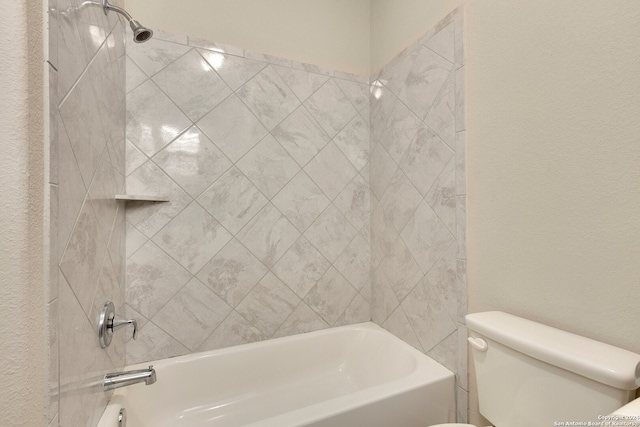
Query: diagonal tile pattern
point(265, 162)
point(300, 198)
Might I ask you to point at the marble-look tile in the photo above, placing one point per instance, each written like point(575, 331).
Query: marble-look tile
point(331, 108)
point(351, 77)
point(446, 352)
point(459, 41)
point(81, 117)
point(442, 197)
point(401, 270)
point(233, 200)
point(152, 344)
point(152, 119)
point(233, 128)
point(358, 93)
point(301, 136)
point(383, 234)
point(198, 94)
point(235, 71)
point(331, 296)
point(331, 233)
point(232, 273)
point(443, 277)
point(301, 82)
point(215, 47)
point(71, 191)
point(461, 226)
point(312, 68)
point(268, 235)
point(353, 141)
point(383, 300)
point(192, 314)
point(398, 324)
point(71, 59)
point(135, 240)
point(441, 118)
point(301, 267)
point(424, 81)
point(461, 163)
point(268, 58)
point(268, 166)
point(433, 325)
point(460, 101)
point(234, 330)
point(354, 202)
point(192, 238)
point(149, 218)
point(268, 305)
point(357, 312)
point(83, 257)
point(54, 359)
point(103, 78)
point(443, 42)
point(55, 122)
point(135, 76)
point(134, 158)
point(461, 279)
point(82, 363)
point(353, 263)
point(192, 161)
point(461, 368)
point(401, 128)
point(53, 245)
point(301, 201)
point(383, 167)
point(169, 37)
point(381, 104)
point(394, 76)
point(425, 159)
point(268, 97)
point(153, 278)
point(400, 200)
point(426, 237)
point(331, 170)
point(100, 196)
point(302, 320)
point(155, 54)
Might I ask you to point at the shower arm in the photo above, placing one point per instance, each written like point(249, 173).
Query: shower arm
point(106, 6)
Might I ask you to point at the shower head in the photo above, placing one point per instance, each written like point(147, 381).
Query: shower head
point(140, 34)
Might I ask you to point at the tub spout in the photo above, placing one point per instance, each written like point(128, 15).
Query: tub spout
point(122, 379)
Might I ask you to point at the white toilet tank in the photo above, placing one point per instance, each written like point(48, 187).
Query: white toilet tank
point(533, 375)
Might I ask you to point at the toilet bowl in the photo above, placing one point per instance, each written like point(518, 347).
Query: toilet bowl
point(543, 375)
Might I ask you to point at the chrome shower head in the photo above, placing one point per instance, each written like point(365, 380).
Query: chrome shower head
point(140, 33)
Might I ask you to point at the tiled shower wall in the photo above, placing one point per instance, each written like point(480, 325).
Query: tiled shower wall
point(87, 131)
point(418, 199)
point(265, 163)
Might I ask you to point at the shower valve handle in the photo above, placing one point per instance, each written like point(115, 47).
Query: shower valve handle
point(109, 322)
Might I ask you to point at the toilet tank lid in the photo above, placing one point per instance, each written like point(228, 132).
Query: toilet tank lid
point(583, 356)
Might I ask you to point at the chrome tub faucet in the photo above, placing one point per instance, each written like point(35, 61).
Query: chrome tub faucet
point(122, 379)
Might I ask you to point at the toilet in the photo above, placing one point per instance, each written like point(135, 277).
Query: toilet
point(533, 375)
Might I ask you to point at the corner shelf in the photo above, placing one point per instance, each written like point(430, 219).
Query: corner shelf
point(141, 198)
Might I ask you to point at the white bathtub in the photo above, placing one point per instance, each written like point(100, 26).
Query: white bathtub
point(351, 376)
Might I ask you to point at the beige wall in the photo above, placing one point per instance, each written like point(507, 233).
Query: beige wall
point(395, 24)
point(554, 164)
point(22, 328)
point(330, 33)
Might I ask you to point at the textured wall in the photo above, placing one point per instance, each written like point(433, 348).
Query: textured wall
point(22, 295)
point(418, 198)
point(265, 163)
point(87, 103)
point(554, 182)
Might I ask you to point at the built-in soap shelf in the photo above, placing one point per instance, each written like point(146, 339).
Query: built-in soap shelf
point(141, 198)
